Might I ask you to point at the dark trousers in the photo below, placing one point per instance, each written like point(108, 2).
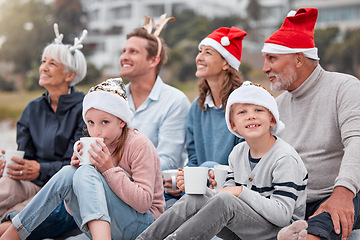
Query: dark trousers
point(57, 223)
point(322, 226)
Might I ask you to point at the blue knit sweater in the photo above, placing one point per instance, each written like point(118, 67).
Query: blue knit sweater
point(207, 136)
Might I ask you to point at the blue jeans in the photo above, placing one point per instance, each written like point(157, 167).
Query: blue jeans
point(321, 225)
point(57, 223)
point(89, 197)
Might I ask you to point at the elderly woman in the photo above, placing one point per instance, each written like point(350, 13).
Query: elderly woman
point(48, 127)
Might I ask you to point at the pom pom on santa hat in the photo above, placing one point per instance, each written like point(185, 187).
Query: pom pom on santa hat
point(228, 42)
point(295, 35)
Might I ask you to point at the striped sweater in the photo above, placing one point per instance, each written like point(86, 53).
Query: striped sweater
point(276, 187)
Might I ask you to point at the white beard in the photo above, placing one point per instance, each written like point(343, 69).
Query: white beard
point(283, 81)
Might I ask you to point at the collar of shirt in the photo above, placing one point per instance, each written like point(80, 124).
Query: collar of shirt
point(153, 96)
point(71, 90)
point(209, 102)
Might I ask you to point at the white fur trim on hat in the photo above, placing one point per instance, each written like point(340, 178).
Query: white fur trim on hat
point(108, 102)
point(233, 61)
point(251, 94)
point(279, 49)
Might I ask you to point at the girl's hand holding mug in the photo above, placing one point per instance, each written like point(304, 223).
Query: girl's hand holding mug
point(2, 163)
point(75, 161)
point(101, 157)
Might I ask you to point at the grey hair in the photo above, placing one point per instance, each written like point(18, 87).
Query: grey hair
point(70, 56)
point(73, 62)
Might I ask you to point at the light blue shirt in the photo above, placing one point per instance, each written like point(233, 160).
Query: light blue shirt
point(162, 118)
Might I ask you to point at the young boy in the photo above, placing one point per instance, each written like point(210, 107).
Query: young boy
point(265, 189)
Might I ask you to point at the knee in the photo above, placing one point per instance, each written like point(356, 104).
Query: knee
point(224, 196)
point(84, 173)
point(64, 175)
point(67, 170)
point(225, 199)
point(85, 170)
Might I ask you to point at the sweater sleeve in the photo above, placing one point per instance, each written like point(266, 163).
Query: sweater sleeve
point(288, 182)
point(137, 191)
point(348, 105)
point(190, 141)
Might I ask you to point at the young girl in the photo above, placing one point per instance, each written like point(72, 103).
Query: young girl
point(121, 194)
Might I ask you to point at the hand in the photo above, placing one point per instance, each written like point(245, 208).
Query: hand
point(340, 206)
point(175, 192)
point(101, 157)
point(212, 179)
point(236, 190)
point(167, 183)
point(2, 163)
point(75, 161)
point(23, 169)
point(180, 180)
point(2, 166)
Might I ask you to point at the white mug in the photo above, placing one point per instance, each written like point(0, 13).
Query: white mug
point(86, 146)
point(8, 155)
point(170, 174)
point(195, 179)
point(220, 172)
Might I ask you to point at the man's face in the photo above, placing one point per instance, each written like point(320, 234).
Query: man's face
point(280, 70)
point(133, 60)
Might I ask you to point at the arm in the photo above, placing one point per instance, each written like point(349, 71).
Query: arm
point(340, 204)
point(190, 142)
point(49, 168)
point(288, 181)
point(341, 209)
point(137, 192)
point(47, 138)
point(172, 135)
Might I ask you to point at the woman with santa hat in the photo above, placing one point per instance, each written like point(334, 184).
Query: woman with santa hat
point(217, 64)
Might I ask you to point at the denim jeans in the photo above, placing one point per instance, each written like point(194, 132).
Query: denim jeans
point(89, 197)
point(322, 226)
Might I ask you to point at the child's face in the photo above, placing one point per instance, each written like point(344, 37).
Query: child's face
point(251, 121)
point(104, 125)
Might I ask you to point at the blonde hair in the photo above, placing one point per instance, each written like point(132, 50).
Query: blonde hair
point(119, 150)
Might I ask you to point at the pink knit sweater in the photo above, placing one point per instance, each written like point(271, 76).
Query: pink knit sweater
point(138, 178)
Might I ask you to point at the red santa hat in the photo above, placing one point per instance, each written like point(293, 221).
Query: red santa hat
point(295, 35)
point(228, 42)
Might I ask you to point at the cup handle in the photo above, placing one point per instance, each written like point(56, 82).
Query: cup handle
point(173, 182)
point(75, 149)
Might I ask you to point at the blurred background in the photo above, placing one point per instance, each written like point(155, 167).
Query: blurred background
point(26, 26)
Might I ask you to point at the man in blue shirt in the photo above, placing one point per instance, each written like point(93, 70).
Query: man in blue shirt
point(160, 111)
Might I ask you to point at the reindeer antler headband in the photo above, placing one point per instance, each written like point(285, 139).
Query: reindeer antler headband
point(148, 26)
point(77, 42)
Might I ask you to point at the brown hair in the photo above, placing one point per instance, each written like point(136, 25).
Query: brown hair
point(152, 46)
point(119, 150)
point(232, 80)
